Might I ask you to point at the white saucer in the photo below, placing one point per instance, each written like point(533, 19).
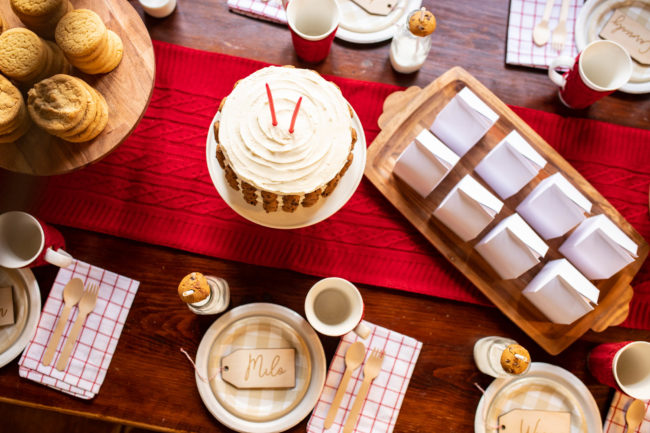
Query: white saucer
point(386, 24)
point(303, 216)
point(569, 394)
point(316, 382)
point(592, 18)
point(22, 279)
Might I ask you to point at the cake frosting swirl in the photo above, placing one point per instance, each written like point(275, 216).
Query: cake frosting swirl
point(268, 157)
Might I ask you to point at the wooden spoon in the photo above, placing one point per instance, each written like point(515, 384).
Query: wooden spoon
point(634, 415)
point(353, 359)
point(71, 294)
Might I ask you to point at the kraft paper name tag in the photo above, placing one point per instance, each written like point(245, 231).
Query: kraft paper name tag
point(6, 306)
point(629, 33)
point(377, 7)
point(535, 421)
point(260, 368)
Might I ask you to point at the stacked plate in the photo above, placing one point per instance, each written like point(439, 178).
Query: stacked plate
point(260, 326)
point(595, 14)
point(27, 309)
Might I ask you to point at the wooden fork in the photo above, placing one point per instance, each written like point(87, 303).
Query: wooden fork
point(560, 33)
point(86, 305)
point(370, 370)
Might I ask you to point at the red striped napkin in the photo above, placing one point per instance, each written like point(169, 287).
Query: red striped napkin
point(379, 411)
point(524, 15)
point(269, 10)
point(97, 341)
point(615, 421)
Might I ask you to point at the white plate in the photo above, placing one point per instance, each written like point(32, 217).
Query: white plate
point(386, 24)
point(572, 396)
point(303, 216)
point(592, 18)
point(318, 370)
point(24, 278)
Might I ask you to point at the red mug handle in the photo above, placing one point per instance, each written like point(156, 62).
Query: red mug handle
point(53, 245)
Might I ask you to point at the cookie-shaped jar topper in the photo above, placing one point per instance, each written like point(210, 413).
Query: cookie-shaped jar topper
point(515, 359)
point(422, 23)
point(194, 288)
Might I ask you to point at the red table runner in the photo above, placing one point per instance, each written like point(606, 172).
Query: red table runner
point(156, 188)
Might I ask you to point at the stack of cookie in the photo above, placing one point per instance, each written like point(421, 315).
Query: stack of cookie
point(86, 42)
point(67, 107)
point(41, 16)
point(26, 58)
point(14, 121)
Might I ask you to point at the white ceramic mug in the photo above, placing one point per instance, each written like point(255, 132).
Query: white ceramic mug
point(334, 307)
point(601, 68)
point(631, 367)
point(26, 241)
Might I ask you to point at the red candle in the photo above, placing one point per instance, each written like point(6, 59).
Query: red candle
point(268, 93)
point(295, 114)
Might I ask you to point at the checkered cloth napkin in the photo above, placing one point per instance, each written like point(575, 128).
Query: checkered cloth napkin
point(615, 421)
point(524, 15)
point(270, 10)
point(382, 405)
point(94, 350)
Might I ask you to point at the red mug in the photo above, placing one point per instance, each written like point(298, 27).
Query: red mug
point(598, 70)
point(313, 24)
point(624, 366)
point(27, 242)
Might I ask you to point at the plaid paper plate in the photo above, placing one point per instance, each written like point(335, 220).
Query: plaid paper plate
point(544, 387)
point(261, 332)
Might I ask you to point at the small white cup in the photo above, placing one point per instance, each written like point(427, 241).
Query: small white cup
point(158, 8)
point(25, 241)
point(334, 307)
point(631, 367)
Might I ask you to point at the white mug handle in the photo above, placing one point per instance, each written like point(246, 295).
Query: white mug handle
point(58, 258)
point(362, 330)
point(559, 62)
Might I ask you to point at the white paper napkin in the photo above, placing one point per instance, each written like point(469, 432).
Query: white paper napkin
point(598, 248)
point(269, 10)
point(524, 15)
point(512, 247)
point(554, 207)
point(463, 121)
point(615, 420)
point(425, 163)
point(510, 165)
point(561, 292)
point(379, 411)
point(98, 339)
point(468, 208)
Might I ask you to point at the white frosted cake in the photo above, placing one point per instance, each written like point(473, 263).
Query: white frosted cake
point(269, 164)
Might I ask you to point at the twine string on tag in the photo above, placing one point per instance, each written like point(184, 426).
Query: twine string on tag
point(204, 380)
point(493, 428)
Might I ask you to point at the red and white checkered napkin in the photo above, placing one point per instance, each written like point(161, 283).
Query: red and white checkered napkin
point(382, 405)
point(524, 15)
point(94, 349)
point(615, 421)
point(270, 10)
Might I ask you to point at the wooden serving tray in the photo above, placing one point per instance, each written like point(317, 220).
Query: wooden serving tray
point(127, 90)
point(405, 114)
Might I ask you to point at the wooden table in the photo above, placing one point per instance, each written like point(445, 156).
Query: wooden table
point(151, 384)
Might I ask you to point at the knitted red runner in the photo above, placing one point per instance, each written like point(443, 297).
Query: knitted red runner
point(156, 188)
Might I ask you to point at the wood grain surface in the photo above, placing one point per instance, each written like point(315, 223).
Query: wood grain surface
point(409, 112)
point(127, 90)
point(150, 383)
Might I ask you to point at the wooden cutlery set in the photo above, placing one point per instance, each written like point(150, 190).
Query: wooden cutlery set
point(73, 294)
point(542, 32)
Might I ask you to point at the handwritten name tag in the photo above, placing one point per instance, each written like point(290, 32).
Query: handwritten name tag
point(629, 33)
point(535, 421)
point(6, 306)
point(260, 368)
point(377, 7)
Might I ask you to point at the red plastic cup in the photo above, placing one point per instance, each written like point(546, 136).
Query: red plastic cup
point(27, 242)
point(600, 69)
point(313, 25)
point(624, 366)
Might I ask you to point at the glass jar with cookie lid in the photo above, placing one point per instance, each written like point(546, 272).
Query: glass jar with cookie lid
point(204, 294)
point(501, 357)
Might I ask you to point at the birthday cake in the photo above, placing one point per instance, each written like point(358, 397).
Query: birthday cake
point(286, 146)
